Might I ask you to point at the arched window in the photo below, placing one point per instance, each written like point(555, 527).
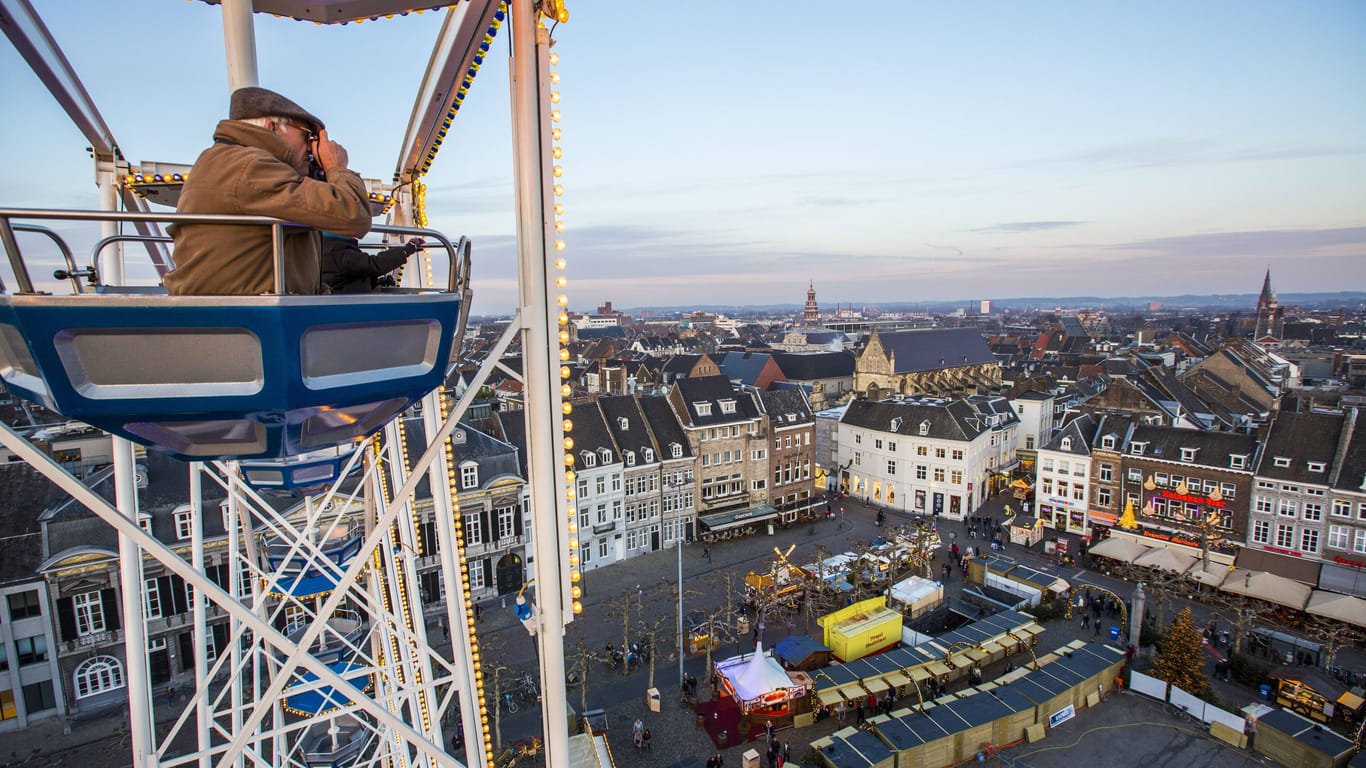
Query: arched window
point(98, 675)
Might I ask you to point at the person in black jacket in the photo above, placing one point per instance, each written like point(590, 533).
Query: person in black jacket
point(346, 268)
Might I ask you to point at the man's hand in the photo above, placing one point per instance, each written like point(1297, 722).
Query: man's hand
point(414, 245)
point(329, 153)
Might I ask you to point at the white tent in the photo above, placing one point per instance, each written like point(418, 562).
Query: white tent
point(754, 676)
point(916, 594)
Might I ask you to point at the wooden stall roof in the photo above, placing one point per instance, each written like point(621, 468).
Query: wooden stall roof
point(875, 685)
point(897, 733)
point(869, 746)
point(978, 709)
point(1012, 698)
point(897, 678)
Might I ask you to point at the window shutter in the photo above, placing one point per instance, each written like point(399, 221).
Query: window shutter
point(166, 595)
point(109, 599)
point(517, 519)
point(178, 595)
point(66, 618)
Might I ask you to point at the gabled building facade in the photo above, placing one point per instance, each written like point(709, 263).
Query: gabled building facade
point(793, 452)
point(925, 456)
point(728, 433)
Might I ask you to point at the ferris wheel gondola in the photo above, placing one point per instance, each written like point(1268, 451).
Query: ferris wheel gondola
point(267, 377)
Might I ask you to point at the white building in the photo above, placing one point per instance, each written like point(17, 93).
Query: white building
point(927, 455)
point(1062, 479)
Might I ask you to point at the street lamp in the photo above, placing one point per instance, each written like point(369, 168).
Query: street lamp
point(671, 484)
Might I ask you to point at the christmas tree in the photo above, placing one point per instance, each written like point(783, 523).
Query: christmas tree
point(1181, 655)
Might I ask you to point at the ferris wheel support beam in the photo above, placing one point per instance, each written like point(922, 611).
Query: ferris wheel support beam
point(239, 43)
point(128, 529)
point(200, 608)
point(538, 304)
point(140, 721)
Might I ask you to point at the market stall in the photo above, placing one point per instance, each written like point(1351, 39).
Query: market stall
point(861, 629)
point(914, 597)
point(1026, 531)
point(761, 688)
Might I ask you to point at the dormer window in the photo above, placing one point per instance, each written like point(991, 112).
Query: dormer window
point(1137, 447)
point(675, 450)
point(727, 406)
point(623, 423)
point(896, 423)
point(630, 457)
point(1065, 443)
point(703, 409)
point(589, 459)
point(925, 427)
point(1281, 461)
point(1237, 461)
point(605, 455)
point(648, 454)
point(469, 475)
point(1316, 466)
point(1108, 442)
point(1188, 454)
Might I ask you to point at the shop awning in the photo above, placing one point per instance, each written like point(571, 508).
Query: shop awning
point(1123, 549)
point(1346, 608)
point(1164, 559)
point(1212, 576)
point(1268, 587)
point(1300, 569)
point(733, 518)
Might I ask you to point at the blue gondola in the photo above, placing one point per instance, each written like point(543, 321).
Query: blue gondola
point(213, 377)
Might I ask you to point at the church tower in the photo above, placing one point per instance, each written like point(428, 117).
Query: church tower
point(1270, 314)
point(811, 316)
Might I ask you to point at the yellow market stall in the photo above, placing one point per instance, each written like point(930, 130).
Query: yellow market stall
point(861, 629)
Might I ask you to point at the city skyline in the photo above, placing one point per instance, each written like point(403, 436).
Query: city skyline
point(735, 155)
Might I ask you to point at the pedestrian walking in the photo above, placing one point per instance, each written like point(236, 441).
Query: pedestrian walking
point(787, 751)
point(768, 732)
point(645, 739)
point(858, 712)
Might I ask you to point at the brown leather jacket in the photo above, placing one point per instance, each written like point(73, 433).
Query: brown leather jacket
point(248, 171)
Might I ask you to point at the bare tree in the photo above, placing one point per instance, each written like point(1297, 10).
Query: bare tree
point(1161, 587)
point(503, 678)
point(1333, 635)
point(578, 664)
point(650, 629)
point(625, 607)
point(1242, 616)
point(718, 617)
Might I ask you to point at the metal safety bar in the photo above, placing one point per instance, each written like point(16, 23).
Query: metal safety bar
point(457, 254)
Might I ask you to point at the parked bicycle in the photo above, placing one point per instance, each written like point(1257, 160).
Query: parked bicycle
point(510, 703)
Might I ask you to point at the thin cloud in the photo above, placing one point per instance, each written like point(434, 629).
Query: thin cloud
point(1177, 152)
point(1250, 243)
point(1013, 227)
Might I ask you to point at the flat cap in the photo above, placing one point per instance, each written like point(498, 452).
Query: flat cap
point(252, 102)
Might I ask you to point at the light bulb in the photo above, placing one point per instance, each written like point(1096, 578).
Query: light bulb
point(557, 171)
point(554, 115)
point(574, 576)
point(573, 542)
point(555, 78)
point(559, 190)
point(564, 354)
point(568, 425)
point(554, 58)
point(566, 391)
point(560, 263)
point(565, 372)
point(569, 476)
point(578, 607)
point(574, 560)
point(559, 246)
point(554, 97)
point(573, 526)
point(557, 153)
point(562, 319)
point(559, 209)
point(564, 339)
point(562, 300)
point(569, 443)
point(561, 282)
point(559, 227)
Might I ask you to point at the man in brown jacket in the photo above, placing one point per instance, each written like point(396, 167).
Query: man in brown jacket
point(260, 165)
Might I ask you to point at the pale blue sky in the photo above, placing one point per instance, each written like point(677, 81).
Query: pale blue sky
point(729, 152)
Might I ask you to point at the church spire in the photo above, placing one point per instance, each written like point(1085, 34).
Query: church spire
point(811, 315)
point(1268, 295)
point(1270, 315)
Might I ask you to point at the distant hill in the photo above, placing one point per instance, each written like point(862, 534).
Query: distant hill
point(1246, 301)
